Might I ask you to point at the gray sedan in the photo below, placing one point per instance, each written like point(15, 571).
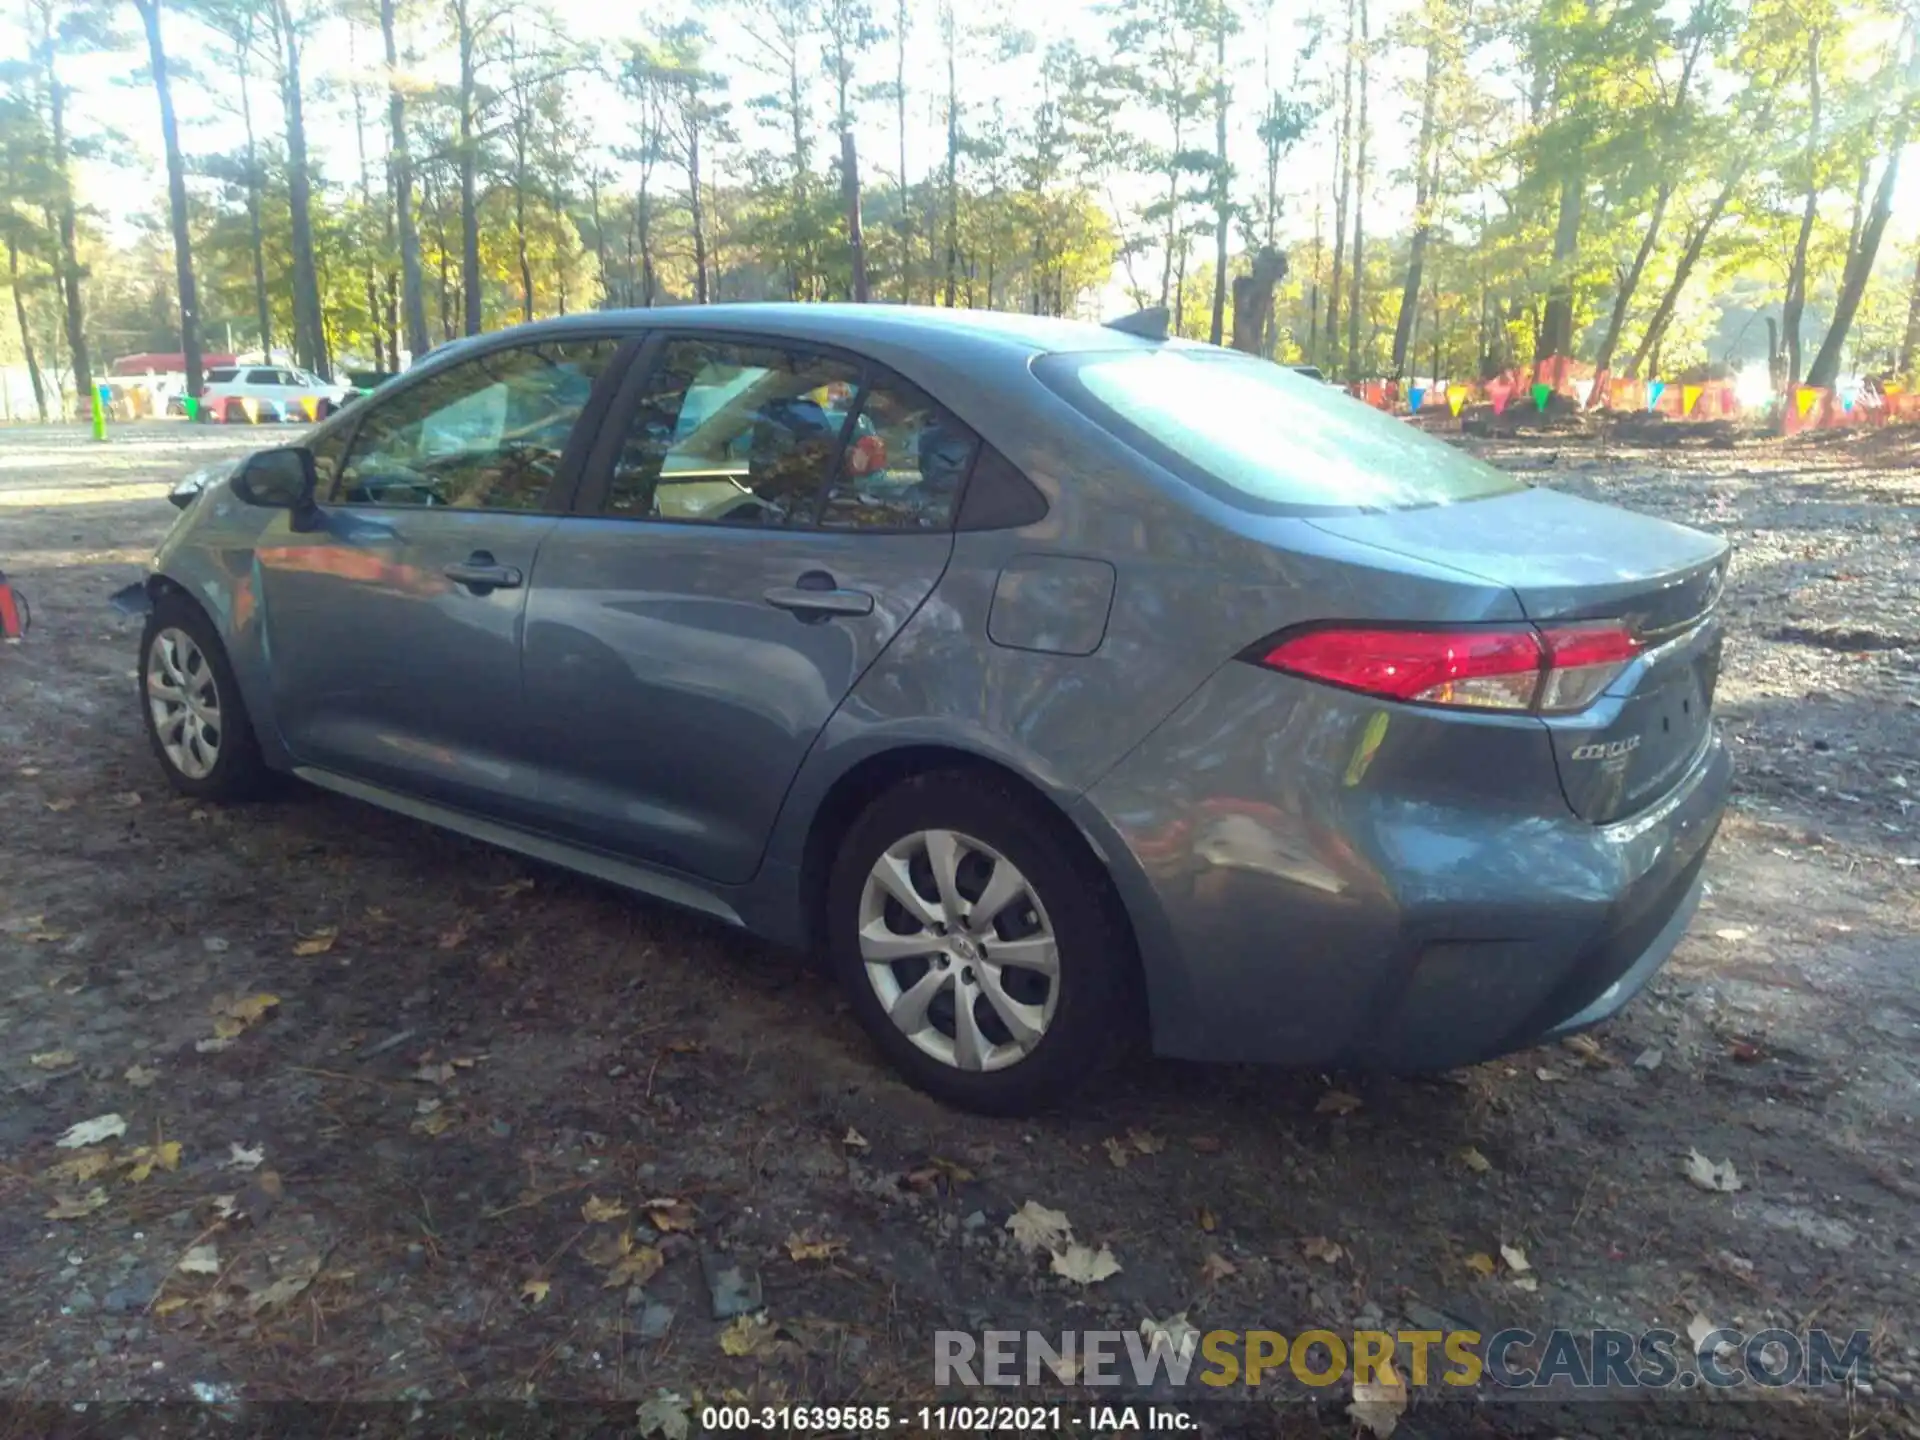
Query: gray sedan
point(1059, 685)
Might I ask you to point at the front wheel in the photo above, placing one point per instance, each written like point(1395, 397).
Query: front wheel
point(978, 944)
point(195, 719)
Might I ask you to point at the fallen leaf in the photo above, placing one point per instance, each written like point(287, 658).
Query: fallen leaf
point(747, 1336)
point(212, 1045)
point(92, 1132)
point(319, 942)
point(1546, 1076)
point(1337, 1102)
point(59, 805)
point(667, 1216)
point(684, 1047)
point(1733, 933)
point(172, 1303)
point(1318, 1247)
point(1745, 1052)
point(140, 1076)
point(1215, 1268)
point(935, 1175)
point(1516, 1259)
point(535, 1290)
point(636, 1267)
point(1178, 1332)
point(200, 1260)
point(69, 1207)
point(239, 1157)
point(1481, 1263)
point(665, 1415)
point(143, 1160)
point(39, 935)
point(1117, 1153)
point(1034, 1227)
point(1084, 1265)
point(1721, 1178)
point(811, 1247)
point(513, 888)
point(1475, 1161)
point(854, 1140)
point(127, 798)
point(607, 1247)
point(597, 1211)
point(435, 1074)
point(283, 1291)
point(454, 936)
point(1204, 1144)
point(1205, 1219)
point(52, 1059)
point(1587, 1048)
point(83, 1167)
point(1378, 1404)
point(234, 1015)
point(1700, 1329)
point(1526, 1283)
point(438, 1123)
point(1649, 1059)
point(1146, 1142)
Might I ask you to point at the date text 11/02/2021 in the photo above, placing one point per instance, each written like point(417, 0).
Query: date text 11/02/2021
point(945, 1419)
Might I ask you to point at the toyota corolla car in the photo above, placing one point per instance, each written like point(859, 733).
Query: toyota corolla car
point(1052, 681)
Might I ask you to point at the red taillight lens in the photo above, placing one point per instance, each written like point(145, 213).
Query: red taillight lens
point(1557, 670)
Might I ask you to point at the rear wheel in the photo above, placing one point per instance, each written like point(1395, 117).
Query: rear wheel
point(195, 719)
point(978, 944)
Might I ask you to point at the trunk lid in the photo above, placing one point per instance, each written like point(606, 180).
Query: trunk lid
point(1568, 560)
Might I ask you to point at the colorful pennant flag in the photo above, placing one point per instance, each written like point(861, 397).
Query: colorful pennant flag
point(1655, 389)
point(1583, 391)
point(1456, 397)
point(1846, 401)
point(1542, 392)
point(1689, 397)
point(1499, 398)
point(1414, 397)
point(1803, 399)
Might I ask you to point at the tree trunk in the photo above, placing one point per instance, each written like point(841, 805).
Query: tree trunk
point(72, 294)
point(1796, 297)
point(948, 23)
point(1222, 202)
point(850, 200)
point(1689, 257)
point(413, 302)
point(26, 334)
point(257, 232)
point(309, 336)
point(1630, 282)
point(1909, 342)
point(1343, 151)
point(1826, 364)
point(1358, 287)
point(1422, 216)
point(469, 178)
point(697, 213)
point(1556, 325)
point(176, 195)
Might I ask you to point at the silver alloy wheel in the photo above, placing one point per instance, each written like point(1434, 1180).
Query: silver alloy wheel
point(958, 948)
point(185, 703)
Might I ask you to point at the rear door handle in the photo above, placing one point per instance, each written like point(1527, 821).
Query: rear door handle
point(805, 602)
point(480, 573)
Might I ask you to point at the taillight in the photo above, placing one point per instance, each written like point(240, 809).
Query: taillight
point(1551, 671)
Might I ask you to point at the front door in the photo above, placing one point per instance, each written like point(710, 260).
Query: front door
point(764, 519)
point(393, 618)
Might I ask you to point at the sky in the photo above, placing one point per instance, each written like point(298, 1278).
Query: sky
point(116, 98)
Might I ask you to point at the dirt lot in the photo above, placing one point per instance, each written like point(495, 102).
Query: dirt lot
point(387, 1181)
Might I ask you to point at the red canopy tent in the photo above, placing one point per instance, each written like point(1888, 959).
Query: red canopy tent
point(175, 364)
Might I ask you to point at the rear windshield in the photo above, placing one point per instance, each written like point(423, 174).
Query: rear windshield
point(1260, 436)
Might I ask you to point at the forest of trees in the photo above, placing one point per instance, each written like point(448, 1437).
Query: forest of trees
point(1440, 187)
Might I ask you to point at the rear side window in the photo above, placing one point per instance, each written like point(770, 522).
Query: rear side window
point(221, 375)
point(904, 463)
point(1259, 436)
point(263, 377)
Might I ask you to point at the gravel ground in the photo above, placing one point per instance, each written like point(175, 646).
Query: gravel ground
point(411, 1175)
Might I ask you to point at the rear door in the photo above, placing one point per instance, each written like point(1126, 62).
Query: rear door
point(758, 521)
point(393, 621)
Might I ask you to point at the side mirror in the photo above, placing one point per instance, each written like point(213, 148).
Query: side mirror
point(278, 479)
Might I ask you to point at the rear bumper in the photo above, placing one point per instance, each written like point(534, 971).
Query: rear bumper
point(1377, 907)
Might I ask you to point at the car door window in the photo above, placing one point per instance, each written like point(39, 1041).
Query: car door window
point(485, 434)
point(263, 377)
point(733, 434)
point(904, 463)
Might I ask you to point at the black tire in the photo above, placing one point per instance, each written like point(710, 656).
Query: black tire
point(238, 772)
point(1095, 1006)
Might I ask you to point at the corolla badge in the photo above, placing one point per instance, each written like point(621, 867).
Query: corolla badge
point(1607, 750)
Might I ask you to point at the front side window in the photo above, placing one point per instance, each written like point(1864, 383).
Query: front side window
point(485, 434)
point(904, 463)
point(732, 433)
point(1260, 436)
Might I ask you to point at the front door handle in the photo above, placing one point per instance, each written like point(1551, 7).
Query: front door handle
point(480, 573)
point(817, 597)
